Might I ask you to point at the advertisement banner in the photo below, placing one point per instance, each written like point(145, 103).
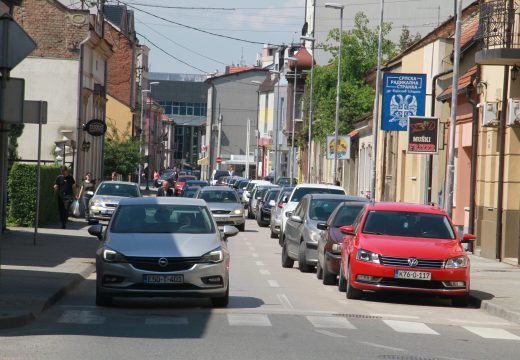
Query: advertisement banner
point(423, 135)
point(404, 95)
point(343, 147)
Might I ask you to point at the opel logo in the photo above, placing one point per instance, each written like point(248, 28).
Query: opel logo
point(413, 262)
point(163, 262)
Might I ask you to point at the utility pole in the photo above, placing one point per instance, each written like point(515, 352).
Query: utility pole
point(248, 139)
point(219, 136)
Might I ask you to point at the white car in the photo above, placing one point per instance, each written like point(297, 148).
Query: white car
point(250, 186)
point(300, 191)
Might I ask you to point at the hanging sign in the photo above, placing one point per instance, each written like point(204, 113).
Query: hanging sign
point(423, 135)
point(404, 95)
point(343, 147)
point(95, 127)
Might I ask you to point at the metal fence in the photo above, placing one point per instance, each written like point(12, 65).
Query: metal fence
point(498, 21)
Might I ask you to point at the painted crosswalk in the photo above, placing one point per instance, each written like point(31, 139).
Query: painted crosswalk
point(410, 327)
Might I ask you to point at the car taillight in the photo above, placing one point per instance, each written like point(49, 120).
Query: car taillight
point(281, 206)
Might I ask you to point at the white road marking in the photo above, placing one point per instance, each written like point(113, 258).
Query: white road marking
point(251, 248)
point(264, 272)
point(255, 255)
point(273, 283)
point(396, 316)
point(259, 263)
point(248, 320)
point(330, 333)
point(84, 317)
point(492, 333)
point(380, 346)
point(248, 243)
point(166, 320)
point(410, 327)
point(330, 322)
point(284, 300)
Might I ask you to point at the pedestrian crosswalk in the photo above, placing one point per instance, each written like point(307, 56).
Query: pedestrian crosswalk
point(324, 324)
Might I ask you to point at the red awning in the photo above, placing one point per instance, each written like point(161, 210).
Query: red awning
point(464, 81)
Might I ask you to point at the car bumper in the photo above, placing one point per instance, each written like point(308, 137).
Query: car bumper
point(229, 220)
point(101, 213)
point(311, 253)
point(276, 225)
point(383, 278)
point(332, 262)
point(131, 281)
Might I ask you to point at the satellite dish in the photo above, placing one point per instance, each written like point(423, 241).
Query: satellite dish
point(305, 28)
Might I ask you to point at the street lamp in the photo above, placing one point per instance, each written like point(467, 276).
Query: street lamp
point(336, 127)
point(309, 146)
point(291, 159)
point(277, 122)
point(141, 148)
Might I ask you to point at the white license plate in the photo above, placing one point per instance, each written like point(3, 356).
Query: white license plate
point(413, 275)
point(163, 279)
point(107, 212)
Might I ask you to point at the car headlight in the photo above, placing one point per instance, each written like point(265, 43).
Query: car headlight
point(315, 236)
point(367, 256)
point(214, 256)
point(238, 211)
point(112, 256)
point(97, 203)
point(456, 262)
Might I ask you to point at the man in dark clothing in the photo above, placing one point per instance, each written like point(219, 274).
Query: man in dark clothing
point(64, 189)
point(165, 190)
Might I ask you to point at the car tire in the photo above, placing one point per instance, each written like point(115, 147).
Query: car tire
point(460, 301)
point(222, 301)
point(328, 277)
point(281, 239)
point(241, 227)
point(273, 235)
point(319, 271)
point(302, 259)
point(342, 283)
point(351, 292)
point(102, 300)
point(287, 262)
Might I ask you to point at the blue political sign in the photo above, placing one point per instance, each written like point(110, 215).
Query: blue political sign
point(404, 95)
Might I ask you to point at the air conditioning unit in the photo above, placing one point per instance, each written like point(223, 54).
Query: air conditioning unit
point(513, 117)
point(490, 114)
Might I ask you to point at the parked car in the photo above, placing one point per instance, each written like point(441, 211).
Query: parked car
point(168, 175)
point(217, 174)
point(301, 232)
point(224, 204)
point(404, 247)
point(107, 197)
point(300, 191)
point(331, 239)
point(256, 194)
point(240, 186)
point(191, 191)
point(181, 180)
point(144, 251)
point(191, 183)
point(275, 223)
point(250, 186)
point(265, 205)
point(286, 181)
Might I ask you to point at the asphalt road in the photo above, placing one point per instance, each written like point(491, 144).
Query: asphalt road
point(274, 313)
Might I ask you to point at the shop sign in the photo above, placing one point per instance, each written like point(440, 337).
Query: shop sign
point(95, 127)
point(423, 135)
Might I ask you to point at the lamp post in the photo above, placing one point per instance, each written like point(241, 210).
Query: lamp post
point(149, 128)
point(141, 148)
point(309, 146)
point(291, 158)
point(256, 82)
point(336, 127)
point(275, 128)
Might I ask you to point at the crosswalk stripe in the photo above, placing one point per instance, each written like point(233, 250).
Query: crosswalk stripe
point(492, 333)
point(330, 322)
point(166, 320)
point(259, 263)
point(410, 327)
point(248, 320)
point(83, 317)
point(273, 283)
point(264, 272)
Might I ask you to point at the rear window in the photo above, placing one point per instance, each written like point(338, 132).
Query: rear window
point(321, 209)
point(346, 215)
point(220, 173)
point(301, 192)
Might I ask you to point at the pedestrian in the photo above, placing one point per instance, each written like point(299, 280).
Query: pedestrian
point(64, 189)
point(88, 185)
point(165, 189)
point(156, 177)
point(115, 175)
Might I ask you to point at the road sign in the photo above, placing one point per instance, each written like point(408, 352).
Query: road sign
point(33, 111)
point(11, 101)
point(404, 95)
point(423, 135)
point(16, 44)
point(218, 160)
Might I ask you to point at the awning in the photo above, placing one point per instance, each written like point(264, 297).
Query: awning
point(463, 83)
point(353, 134)
point(203, 161)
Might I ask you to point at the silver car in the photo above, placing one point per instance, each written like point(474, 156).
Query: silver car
point(224, 204)
point(107, 197)
point(162, 247)
point(275, 223)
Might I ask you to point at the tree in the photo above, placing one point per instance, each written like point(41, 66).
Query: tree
point(406, 39)
point(14, 133)
point(122, 153)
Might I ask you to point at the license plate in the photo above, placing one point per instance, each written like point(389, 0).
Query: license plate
point(163, 279)
point(107, 212)
point(413, 275)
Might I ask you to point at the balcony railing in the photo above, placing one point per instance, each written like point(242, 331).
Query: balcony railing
point(497, 24)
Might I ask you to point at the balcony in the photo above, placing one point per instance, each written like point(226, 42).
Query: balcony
point(498, 33)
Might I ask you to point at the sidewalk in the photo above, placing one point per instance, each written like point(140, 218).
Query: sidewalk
point(32, 278)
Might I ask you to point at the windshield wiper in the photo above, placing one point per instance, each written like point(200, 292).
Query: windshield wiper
point(373, 232)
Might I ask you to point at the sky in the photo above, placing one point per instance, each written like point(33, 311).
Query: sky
point(178, 49)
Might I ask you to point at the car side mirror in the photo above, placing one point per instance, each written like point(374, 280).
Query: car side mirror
point(296, 219)
point(348, 230)
point(96, 230)
point(468, 238)
point(322, 226)
point(272, 203)
point(229, 231)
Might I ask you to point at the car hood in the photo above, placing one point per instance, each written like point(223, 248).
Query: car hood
point(163, 245)
point(107, 199)
point(224, 206)
point(411, 246)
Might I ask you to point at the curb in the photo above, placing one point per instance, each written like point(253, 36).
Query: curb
point(494, 309)
point(23, 318)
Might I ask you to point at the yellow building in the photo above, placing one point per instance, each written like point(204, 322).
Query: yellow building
point(119, 116)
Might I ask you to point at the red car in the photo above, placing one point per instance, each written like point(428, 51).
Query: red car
point(179, 184)
point(404, 247)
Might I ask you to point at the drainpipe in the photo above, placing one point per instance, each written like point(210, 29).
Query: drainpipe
point(474, 148)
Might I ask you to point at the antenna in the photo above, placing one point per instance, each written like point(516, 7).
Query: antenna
point(242, 57)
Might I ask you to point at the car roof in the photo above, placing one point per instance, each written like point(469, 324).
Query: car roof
point(406, 207)
point(119, 182)
point(318, 186)
point(336, 197)
point(216, 188)
point(162, 200)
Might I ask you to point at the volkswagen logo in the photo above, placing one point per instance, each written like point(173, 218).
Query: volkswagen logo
point(413, 262)
point(163, 262)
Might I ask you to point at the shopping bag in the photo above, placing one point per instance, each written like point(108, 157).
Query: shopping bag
point(75, 208)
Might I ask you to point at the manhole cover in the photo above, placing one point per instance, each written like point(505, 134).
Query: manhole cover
point(358, 316)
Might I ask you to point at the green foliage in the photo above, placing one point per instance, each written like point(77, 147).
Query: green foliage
point(121, 153)
point(22, 183)
point(14, 133)
point(406, 39)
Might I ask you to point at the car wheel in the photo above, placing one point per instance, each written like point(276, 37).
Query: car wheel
point(460, 301)
point(319, 270)
point(328, 277)
point(221, 301)
point(273, 235)
point(241, 227)
point(287, 262)
point(281, 239)
point(342, 283)
point(351, 292)
point(302, 259)
point(102, 300)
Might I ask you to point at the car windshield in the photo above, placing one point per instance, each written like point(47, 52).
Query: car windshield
point(166, 175)
point(191, 192)
point(242, 184)
point(260, 192)
point(219, 196)
point(156, 218)
point(346, 215)
point(301, 192)
point(410, 224)
point(271, 195)
point(219, 174)
point(322, 208)
point(117, 189)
